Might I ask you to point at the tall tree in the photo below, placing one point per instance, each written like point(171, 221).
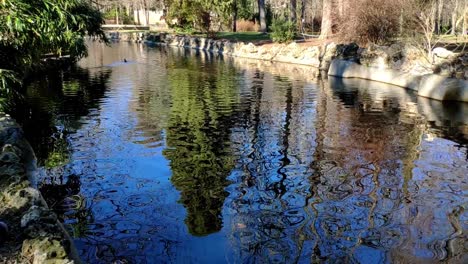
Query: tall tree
point(454, 18)
point(262, 13)
point(292, 11)
point(440, 6)
point(303, 11)
point(465, 19)
point(234, 16)
point(327, 19)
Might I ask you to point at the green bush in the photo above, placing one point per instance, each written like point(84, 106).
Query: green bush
point(123, 17)
point(282, 30)
point(31, 29)
point(185, 30)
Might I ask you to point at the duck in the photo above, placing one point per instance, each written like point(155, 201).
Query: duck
point(124, 60)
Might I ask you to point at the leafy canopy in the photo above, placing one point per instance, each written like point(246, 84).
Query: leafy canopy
point(29, 29)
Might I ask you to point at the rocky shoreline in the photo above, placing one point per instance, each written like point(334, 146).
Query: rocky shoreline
point(34, 234)
point(445, 78)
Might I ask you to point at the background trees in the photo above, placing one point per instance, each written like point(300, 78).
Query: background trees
point(379, 19)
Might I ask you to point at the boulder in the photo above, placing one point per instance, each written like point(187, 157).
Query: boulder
point(429, 85)
point(348, 52)
point(328, 54)
point(349, 69)
point(443, 53)
point(442, 88)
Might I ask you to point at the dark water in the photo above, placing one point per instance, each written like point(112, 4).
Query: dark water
point(185, 158)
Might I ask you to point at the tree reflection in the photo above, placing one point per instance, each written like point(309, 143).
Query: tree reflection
point(52, 107)
point(198, 130)
point(49, 112)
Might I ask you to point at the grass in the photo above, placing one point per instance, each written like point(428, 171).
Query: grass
point(233, 36)
point(243, 36)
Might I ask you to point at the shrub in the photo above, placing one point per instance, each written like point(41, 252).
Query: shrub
point(374, 21)
point(246, 26)
point(282, 30)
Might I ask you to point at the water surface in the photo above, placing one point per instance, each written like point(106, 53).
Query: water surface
point(178, 156)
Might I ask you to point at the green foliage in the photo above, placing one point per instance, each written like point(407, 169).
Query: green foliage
point(189, 14)
point(282, 30)
point(245, 9)
point(186, 30)
point(30, 29)
point(123, 17)
point(198, 14)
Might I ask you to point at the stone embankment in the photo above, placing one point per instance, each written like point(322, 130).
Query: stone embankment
point(31, 232)
point(443, 76)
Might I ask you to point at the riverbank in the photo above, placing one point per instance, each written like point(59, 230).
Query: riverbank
point(444, 79)
point(34, 233)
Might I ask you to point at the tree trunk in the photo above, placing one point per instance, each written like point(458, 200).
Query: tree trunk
point(454, 18)
point(292, 11)
point(303, 10)
point(261, 11)
point(326, 29)
point(465, 19)
point(146, 12)
point(341, 8)
point(234, 17)
point(312, 19)
point(138, 15)
point(440, 7)
point(117, 15)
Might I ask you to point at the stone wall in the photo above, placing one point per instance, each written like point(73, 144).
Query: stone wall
point(429, 85)
point(441, 77)
point(31, 232)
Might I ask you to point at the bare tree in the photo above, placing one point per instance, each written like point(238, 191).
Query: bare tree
point(426, 20)
point(292, 11)
point(465, 19)
point(262, 13)
point(454, 18)
point(440, 8)
point(327, 19)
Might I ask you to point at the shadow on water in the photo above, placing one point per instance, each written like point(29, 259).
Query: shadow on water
point(49, 111)
point(181, 156)
point(52, 108)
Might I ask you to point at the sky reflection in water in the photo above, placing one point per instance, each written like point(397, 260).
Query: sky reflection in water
point(177, 156)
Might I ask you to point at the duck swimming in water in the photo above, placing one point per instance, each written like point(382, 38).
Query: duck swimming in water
point(124, 60)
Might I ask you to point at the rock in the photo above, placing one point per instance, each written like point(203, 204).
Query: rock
point(430, 85)
point(20, 196)
point(442, 88)
point(228, 47)
point(294, 50)
point(33, 214)
point(347, 52)
point(45, 250)
point(20, 202)
point(329, 53)
point(9, 158)
point(3, 232)
point(250, 48)
point(376, 56)
point(348, 69)
point(443, 53)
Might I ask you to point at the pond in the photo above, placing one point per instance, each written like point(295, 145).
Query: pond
point(179, 156)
